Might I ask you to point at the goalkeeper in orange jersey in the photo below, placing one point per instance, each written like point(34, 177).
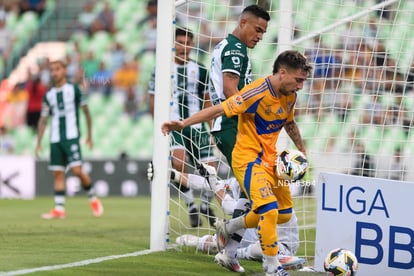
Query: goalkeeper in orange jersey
point(263, 108)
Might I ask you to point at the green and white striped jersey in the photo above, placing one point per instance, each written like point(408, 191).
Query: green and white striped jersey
point(190, 85)
point(62, 104)
point(230, 55)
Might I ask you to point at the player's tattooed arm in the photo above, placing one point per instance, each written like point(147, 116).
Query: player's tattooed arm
point(293, 131)
point(230, 84)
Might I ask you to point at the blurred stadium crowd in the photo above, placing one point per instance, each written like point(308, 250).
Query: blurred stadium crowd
point(361, 92)
point(110, 52)
point(361, 95)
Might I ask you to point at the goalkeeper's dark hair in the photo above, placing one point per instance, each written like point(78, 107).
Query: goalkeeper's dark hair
point(181, 31)
point(291, 59)
point(257, 11)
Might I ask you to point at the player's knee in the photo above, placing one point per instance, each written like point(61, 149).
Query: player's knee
point(77, 171)
point(284, 215)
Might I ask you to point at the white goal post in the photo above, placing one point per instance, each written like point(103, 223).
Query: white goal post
point(159, 186)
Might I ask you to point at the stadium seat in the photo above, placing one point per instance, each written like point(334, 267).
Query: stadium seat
point(113, 4)
point(384, 32)
point(123, 12)
point(108, 149)
point(122, 37)
point(394, 137)
point(113, 109)
point(146, 68)
point(354, 117)
point(318, 144)
point(22, 137)
point(333, 124)
point(146, 124)
point(387, 99)
point(145, 152)
point(361, 100)
point(409, 146)
point(30, 19)
point(96, 103)
point(87, 153)
point(27, 24)
point(83, 40)
point(50, 4)
point(99, 127)
point(343, 141)
point(408, 100)
point(12, 19)
point(100, 42)
point(124, 125)
point(372, 135)
point(307, 126)
point(134, 48)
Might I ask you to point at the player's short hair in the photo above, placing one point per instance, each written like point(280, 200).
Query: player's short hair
point(257, 11)
point(181, 31)
point(292, 59)
point(58, 61)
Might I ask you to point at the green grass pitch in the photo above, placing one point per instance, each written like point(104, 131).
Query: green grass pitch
point(27, 241)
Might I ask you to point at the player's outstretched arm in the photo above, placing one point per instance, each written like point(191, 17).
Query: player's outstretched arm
point(169, 126)
point(199, 117)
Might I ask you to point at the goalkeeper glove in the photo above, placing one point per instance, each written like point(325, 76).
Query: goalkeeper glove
point(210, 173)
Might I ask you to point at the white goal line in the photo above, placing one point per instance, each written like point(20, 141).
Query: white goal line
point(76, 264)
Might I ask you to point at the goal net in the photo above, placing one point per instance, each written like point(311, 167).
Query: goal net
point(355, 111)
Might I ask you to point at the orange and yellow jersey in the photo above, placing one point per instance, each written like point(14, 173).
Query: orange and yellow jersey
point(262, 115)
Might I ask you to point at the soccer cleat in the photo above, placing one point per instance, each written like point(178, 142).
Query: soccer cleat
point(231, 264)
point(209, 213)
point(221, 233)
point(97, 208)
point(195, 220)
point(54, 214)
point(291, 262)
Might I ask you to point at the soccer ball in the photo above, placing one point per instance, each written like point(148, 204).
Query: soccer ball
point(291, 165)
point(341, 262)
